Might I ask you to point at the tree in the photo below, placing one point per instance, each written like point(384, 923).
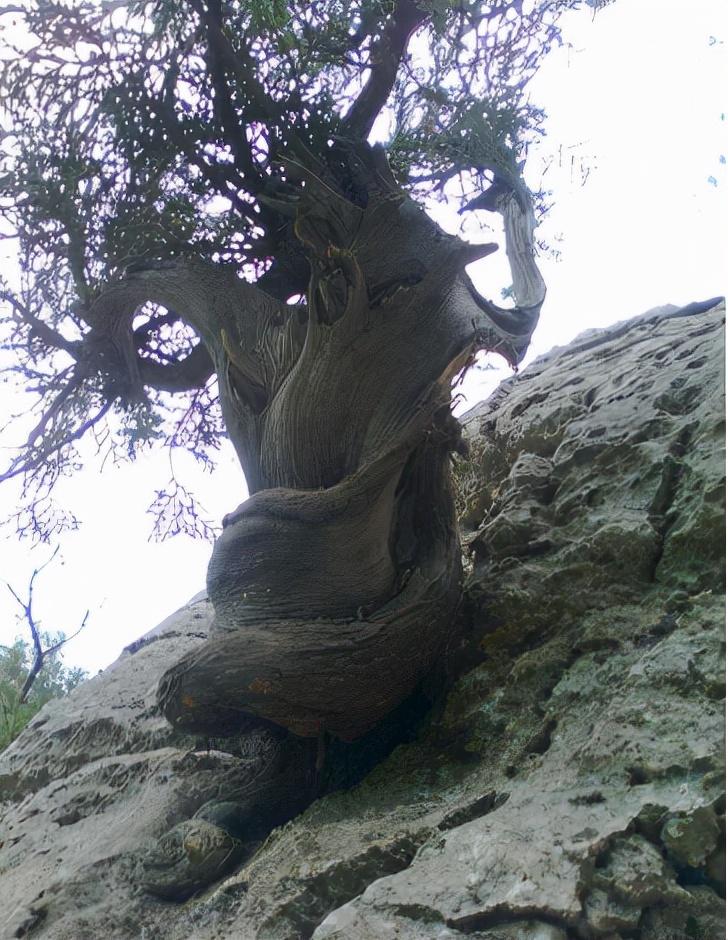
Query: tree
point(202, 217)
point(31, 674)
point(54, 680)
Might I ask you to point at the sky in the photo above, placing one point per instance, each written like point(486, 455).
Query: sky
point(636, 157)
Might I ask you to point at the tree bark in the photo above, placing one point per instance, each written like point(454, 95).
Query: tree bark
point(335, 584)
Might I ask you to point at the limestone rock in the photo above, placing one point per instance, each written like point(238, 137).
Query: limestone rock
point(570, 781)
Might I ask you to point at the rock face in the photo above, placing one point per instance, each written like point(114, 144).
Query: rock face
point(568, 784)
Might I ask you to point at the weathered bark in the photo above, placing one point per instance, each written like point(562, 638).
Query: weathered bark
point(339, 621)
point(335, 585)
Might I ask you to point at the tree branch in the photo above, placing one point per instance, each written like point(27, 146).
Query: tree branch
point(386, 55)
point(519, 224)
point(24, 464)
point(191, 372)
point(219, 55)
point(54, 408)
point(39, 328)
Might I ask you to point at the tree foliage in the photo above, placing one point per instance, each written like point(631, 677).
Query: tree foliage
point(141, 133)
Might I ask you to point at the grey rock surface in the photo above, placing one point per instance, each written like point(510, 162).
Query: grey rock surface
point(568, 784)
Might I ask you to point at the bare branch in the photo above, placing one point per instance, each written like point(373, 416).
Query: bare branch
point(39, 328)
point(67, 639)
point(519, 224)
point(53, 409)
point(41, 654)
point(29, 462)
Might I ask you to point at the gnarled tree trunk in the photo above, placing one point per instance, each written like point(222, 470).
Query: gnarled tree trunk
point(335, 585)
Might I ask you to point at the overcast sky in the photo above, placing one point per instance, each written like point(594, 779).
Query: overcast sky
point(638, 99)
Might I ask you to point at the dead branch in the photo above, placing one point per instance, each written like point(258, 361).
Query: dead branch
point(41, 654)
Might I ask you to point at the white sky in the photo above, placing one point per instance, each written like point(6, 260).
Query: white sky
point(639, 96)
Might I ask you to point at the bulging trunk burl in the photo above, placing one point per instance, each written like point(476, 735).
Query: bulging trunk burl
point(336, 583)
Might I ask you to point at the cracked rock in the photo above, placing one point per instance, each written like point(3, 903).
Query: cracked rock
point(632, 877)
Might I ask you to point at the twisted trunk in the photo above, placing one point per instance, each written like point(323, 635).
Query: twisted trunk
point(335, 585)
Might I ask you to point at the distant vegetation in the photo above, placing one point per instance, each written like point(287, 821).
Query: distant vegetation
point(53, 681)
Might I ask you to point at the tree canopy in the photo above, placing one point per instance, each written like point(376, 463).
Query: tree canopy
point(143, 134)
